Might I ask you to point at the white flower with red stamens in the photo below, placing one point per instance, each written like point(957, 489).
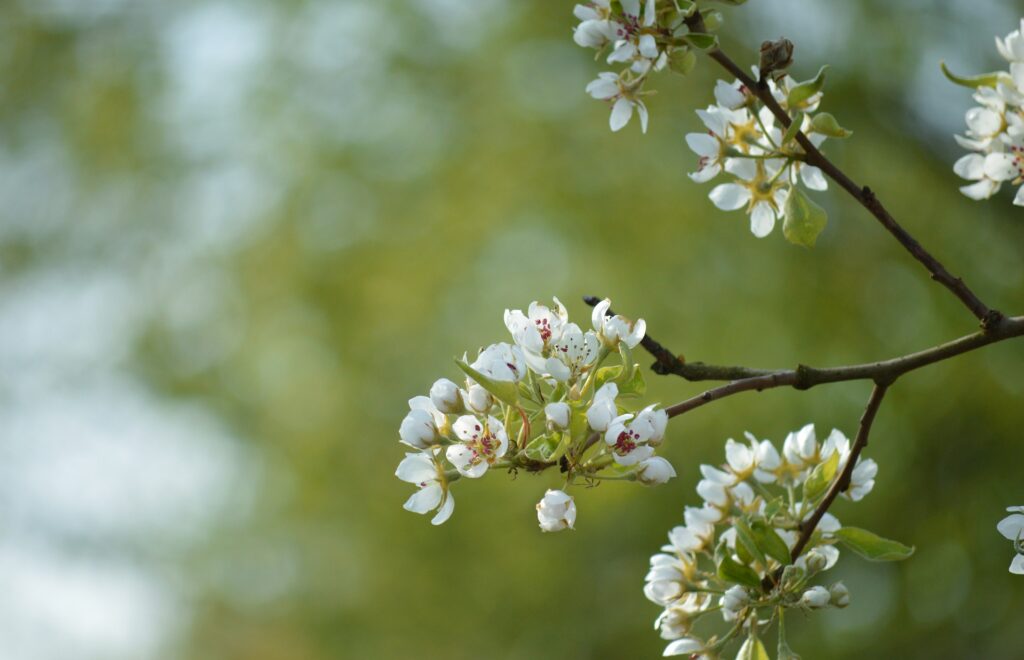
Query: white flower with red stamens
point(576, 351)
point(556, 511)
point(537, 330)
point(628, 437)
point(502, 362)
point(483, 442)
point(423, 470)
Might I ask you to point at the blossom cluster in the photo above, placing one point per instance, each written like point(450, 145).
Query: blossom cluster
point(642, 39)
point(743, 140)
point(995, 127)
point(1012, 527)
point(734, 555)
point(546, 399)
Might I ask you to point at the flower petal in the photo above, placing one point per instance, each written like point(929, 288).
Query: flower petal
point(729, 196)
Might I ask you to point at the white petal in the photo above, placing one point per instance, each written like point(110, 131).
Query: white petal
point(702, 144)
point(1018, 199)
point(1001, 167)
point(981, 190)
point(1012, 527)
point(416, 469)
point(682, 646)
point(445, 512)
point(813, 178)
point(706, 174)
point(622, 111)
point(970, 167)
point(762, 219)
point(729, 196)
point(642, 110)
point(424, 499)
point(1017, 565)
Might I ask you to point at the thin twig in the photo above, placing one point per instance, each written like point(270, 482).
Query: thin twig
point(864, 195)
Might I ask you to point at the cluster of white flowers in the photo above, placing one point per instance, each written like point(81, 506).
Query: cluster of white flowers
point(643, 38)
point(733, 555)
point(765, 163)
point(995, 127)
point(1012, 527)
point(541, 401)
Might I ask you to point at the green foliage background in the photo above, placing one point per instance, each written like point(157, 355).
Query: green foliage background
point(352, 194)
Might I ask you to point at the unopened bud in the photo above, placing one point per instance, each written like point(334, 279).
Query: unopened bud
point(445, 396)
point(654, 471)
point(478, 399)
point(816, 561)
point(840, 595)
point(776, 56)
point(557, 414)
point(816, 598)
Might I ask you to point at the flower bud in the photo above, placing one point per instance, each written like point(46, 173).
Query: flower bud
point(776, 56)
point(792, 575)
point(558, 414)
point(556, 511)
point(732, 601)
point(816, 561)
point(654, 471)
point(446, 397)
point(816, 598)
point(840, 595)
point(478, 399)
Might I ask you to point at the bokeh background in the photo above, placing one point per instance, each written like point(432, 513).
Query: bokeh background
point(236, 236)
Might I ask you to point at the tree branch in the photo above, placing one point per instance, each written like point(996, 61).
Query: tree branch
point(863, 195)
point(842, 482)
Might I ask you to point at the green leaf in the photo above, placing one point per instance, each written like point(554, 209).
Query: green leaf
point(745, 536)
point(752, 649)
point(804, 219)
point(606, 375)
point(800, 93)
point(702, 41)
point(794, 128)
point(544, 447)
point(503, 390)
point(821, 477)
point(635, 386)
point(826, 124)
point(732, 571)
point(770, 541)
point(981, 80)
point(873, 547)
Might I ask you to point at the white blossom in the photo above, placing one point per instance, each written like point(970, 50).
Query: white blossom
point(602, 409)
point(613, 329)
point(502, 362)
point(556, 511)
point(536, 331)
point(421, 469)
point(816, 597)
point(629, 439)
point(623, 96)
point(654, 471)
point(477, 398)
point(483, 442)
point(557, 414)
point(1012, 527)
point(446, 396)
point(420, 428)
point(688, 646)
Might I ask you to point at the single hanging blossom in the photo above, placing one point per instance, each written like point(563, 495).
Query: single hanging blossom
point(424, 471)
point(623, 96)
point(556, 511)
point(483, 443)
point(1012, 527)
point(613, 329)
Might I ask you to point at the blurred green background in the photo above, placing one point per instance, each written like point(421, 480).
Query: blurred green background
point(236, 237)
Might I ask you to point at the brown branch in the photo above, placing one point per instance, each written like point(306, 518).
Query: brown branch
point(842, 482)
point(862, 194)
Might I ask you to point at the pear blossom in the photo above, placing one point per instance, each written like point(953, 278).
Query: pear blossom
point(477, 398)
point(732, 601)
point(483, 442)
point(577, 350)
point(1012, 47)
point(613, 329)
point(536, 331)
point(422, 469)
point(603, 409)
point(1012, 527)
point(816, 597)
point(502, 362)
point(420, 428)
point(556, 511)
point(629, 439)
point(839, 595)
point(756, 187)
point(446, 396)
point(654, 471)
point(623, 96)
point(557, 414)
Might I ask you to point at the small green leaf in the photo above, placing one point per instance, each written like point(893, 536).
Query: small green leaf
point(873, 547)
point(799, 94)
point(745, 536)
point(635, 386)
point(732, 571)
point(821, 477)
point(503, 390)
point(794, 128)
point(826, 124)
point(702, 41)
point(804, 219)
point(770, 541)
point(981, 80)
